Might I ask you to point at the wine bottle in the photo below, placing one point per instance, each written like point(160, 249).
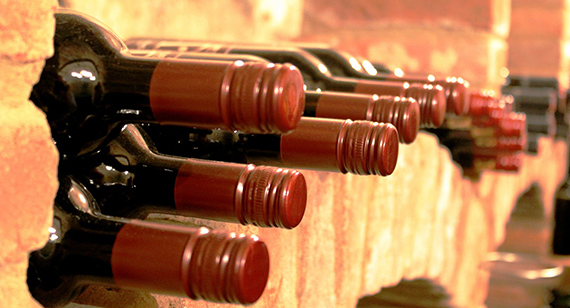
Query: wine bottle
point(561, 226)
point(316, 75)
point(133, 180)
point(358, 147)
point(92, 85)
point(402, 112)
point(86, 248)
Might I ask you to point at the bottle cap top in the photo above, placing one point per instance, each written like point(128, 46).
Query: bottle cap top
point(432, 103)
point(512, 124)
point(368, 148)
point(402, 112)
point(293, 199)
point(264, 97)
point(251, 268)
point(508, 162)
point(482, 104)
point(456, 91)
point(228, 268)
point(511, 143)
point(271, 197)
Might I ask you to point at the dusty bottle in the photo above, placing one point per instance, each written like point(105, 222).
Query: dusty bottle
point(92, 85)
point(133, 180)
point(86, 248)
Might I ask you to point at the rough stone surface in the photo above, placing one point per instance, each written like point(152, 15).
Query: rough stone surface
point(539, 44)
point(29, 158)
point(491, 16)
point(475, 56)
point(244, 20)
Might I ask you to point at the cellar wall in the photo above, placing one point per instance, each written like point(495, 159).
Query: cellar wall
point(360, 234)
point(28, 158)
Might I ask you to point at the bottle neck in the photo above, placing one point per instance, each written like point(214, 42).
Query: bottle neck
point(78, 251)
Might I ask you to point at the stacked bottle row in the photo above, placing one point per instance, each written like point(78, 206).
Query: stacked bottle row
point(490, 137)
point(95, 99)
point(217, 131)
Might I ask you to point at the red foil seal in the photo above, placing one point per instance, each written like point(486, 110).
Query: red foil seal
point(195, 262)
point(247, 194)
point(512, 124)
point(359, 147)
point(254, 97)
point(432, 102)
point(455, 90)
point(431, 98)
point(508, 162)
point(403, 113)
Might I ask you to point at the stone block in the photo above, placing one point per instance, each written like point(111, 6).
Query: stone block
point(492, 16)
point(539, 21)
point(248, 20)
point(538, 56)
point(29, 157)
point(475, 56)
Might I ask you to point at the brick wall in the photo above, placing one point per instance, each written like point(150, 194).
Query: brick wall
point(28, 157)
